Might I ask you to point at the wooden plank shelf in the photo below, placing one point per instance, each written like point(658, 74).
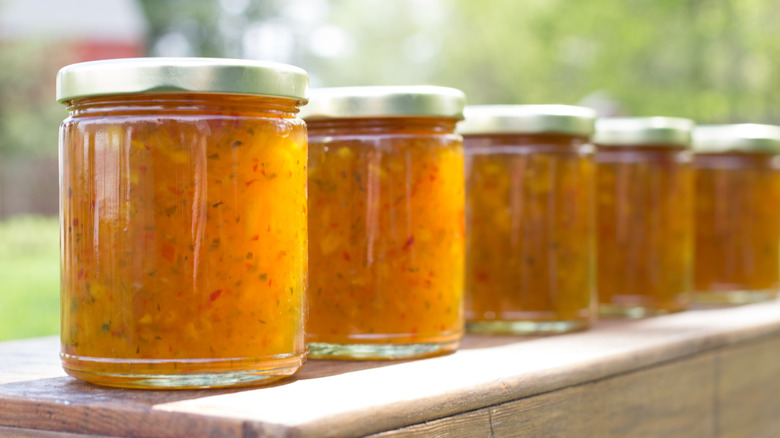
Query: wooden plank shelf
point(707, 372)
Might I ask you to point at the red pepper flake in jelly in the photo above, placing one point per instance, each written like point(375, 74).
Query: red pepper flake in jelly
point(737, 218)
point(530, 226)
point(371, 253)
point(644, 210)
point(160, 286)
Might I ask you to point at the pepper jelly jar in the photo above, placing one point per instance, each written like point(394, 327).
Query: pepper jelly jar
point(386, 197)
point(737, 171)
point(644, 210)
point(183, 222)
point(530, 255)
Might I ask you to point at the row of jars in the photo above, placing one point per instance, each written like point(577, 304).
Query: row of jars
point(191, 251)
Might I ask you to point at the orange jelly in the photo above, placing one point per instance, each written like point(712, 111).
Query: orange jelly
point(183, 225)
point(386, 196)
point(644, 209)
point(530, 255)
point(737, 170)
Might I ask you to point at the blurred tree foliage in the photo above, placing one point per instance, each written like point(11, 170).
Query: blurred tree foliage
point(29, 116)
point(209, 30)
point(712, 60)
point(195, 19)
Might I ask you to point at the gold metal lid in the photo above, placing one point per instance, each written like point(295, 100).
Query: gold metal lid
point(527, 119)
point(746, 137)
point(639, 131)
point(384, 101)
point(181, 75)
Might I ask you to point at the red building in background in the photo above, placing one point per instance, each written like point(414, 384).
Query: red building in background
point(60, 33)
point(87, 29)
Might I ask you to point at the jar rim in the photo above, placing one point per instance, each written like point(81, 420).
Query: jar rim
point(181, 75)
point(527, 119)
point(641, 131)
point(742, 137)
point(384, 101)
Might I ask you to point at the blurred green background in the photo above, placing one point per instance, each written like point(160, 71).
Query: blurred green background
point(714, 61)
point(29, 269)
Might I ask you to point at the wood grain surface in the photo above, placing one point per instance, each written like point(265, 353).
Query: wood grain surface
point(709, 372)
point(749, 391)
point(644, 403)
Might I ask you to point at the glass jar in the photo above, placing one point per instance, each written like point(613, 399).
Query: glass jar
point(644, 210)
point(530, 255)
point(737, 172)
point(386, 224)
point(183, 222)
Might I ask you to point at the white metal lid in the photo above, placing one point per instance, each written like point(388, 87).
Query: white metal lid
point(639, 131)
point(384, 101)
point(181, 75)
point(746, 137)
point(527, 119)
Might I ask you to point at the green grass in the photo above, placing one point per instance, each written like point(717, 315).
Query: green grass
point(29, 277)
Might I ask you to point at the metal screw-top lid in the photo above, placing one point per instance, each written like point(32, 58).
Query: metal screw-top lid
point(639, 131)
point(747, 137)
point(384, 101)
point(181, 75)
point(527, 119)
